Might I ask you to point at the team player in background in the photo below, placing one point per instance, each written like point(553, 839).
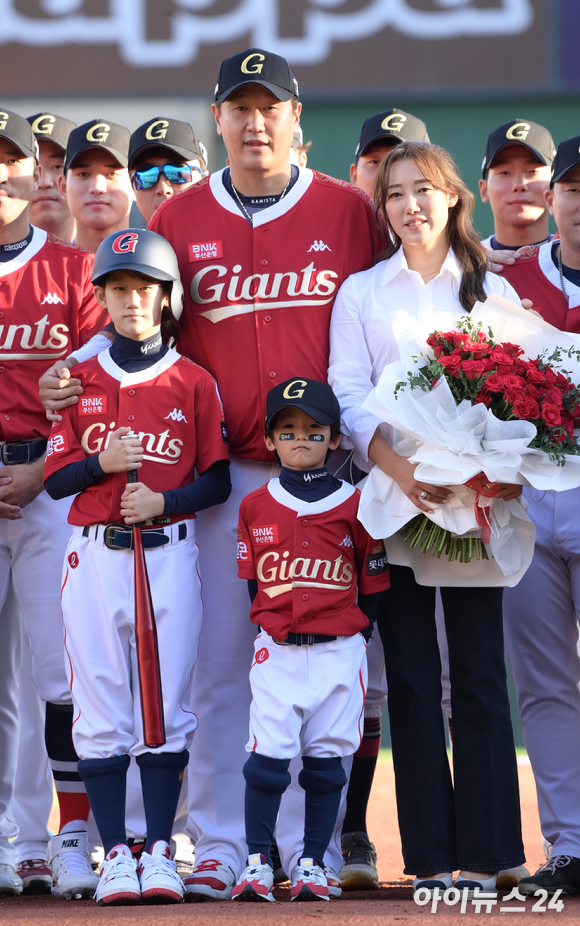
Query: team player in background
point(516, 177)
point(168, 411)
point(304, 554)
point(165, 157)
point(48, 286)
point(378, 135)
point(49, 207)
point(96, 181)
point(541, 615)
point(262, 248)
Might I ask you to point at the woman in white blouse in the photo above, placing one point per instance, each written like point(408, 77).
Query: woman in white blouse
point(432, 273)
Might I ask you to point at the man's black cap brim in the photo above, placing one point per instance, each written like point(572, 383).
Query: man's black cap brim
point(522, 144)
point(119, 156)
point(278, 92)
point(184, 153)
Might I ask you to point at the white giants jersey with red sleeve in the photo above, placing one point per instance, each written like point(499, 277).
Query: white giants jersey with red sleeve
point(47, 310)
point(308, 559)
point(174, 408)
point(258, 299)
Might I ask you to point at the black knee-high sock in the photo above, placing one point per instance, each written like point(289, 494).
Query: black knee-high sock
point(322, 780)
point(72, 798)
point(161, 778)
point(266, 781)
point(106, 784)
point(361, 777)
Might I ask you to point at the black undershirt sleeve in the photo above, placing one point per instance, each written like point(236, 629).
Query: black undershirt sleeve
point(74, 477)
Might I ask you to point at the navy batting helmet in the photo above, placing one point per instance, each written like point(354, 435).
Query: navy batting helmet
point(142, 252)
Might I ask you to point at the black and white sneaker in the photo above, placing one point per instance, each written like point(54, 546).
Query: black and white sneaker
point(359, 869)
point(559, 873)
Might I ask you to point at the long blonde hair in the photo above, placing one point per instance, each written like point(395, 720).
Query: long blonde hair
point(440, 169)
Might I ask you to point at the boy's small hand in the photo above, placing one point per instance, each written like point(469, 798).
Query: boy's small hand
point(138, 503)
point(121, 455)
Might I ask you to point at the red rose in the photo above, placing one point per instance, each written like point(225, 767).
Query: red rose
point(534, 375)
point(450, 364)
point(503, 361)
point(575, 412)
point(513, 382)
point(513, 350)
point(550, 375)
point(551, 415)
point(532, 391)
point(478, 350)
point(482, 399)
point(494, 383)
point(553, 395)
point(526, 408)
point(472, 368)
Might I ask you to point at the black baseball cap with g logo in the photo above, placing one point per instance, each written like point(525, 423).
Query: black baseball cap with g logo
point(311, 396)
point(161, 132)
point(393, 124)
point(98, 133)
point(256, 66)
point(567, 157)
point(50, 127)
point(17, 130)
point(536, 138)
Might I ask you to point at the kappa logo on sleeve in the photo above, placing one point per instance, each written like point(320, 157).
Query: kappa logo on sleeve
point(58, 443)
point(264, 533)
point(204, 250)
point(93, 405)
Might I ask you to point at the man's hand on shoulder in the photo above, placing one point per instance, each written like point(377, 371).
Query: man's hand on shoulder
point(58, 389)
point(497, 260)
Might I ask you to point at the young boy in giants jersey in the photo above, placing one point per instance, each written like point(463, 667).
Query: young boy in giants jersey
point(144, 407)
point(303, 552)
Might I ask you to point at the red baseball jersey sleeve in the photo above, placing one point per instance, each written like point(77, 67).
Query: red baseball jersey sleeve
point(308, 559)
point(258, 299)
point(536, 277)
point(173, 406)
point(47, 310)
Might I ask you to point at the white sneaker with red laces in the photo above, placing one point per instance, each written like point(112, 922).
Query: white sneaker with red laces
point(118, 881)
point(210, 880)
point(256, 881)
point(158, 876)
point(308, 881)
point(36, 876)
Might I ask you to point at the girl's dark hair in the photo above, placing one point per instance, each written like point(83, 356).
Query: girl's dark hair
point(437, 166)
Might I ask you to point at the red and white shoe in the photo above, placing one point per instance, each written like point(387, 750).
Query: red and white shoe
point(118, 881)
point(334, 883)
point(210, 880)
point(308, 881)
point(256, 881)
point(158, 876)
point(36, 875)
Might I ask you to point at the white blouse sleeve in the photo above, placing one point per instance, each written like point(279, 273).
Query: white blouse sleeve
point(350, 371)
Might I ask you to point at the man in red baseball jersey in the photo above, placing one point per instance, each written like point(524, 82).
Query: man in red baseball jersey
point(263, 247)
point(47, 307)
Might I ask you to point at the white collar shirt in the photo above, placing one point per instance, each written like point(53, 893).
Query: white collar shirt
point(383, 314)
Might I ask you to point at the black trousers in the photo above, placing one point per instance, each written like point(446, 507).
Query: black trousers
point(473, 820)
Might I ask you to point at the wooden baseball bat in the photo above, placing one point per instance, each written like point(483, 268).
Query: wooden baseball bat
point(147, 647)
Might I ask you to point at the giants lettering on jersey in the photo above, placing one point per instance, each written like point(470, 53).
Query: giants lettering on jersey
point(271, 569)
point(217, 284)
point(159, 448)
point(93, 405)
point(32, 339)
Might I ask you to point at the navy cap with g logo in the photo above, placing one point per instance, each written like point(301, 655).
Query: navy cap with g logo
point(536, 138)
point(393, 124)
point(50, 127)
point(98, 133)
point(309, 395)
point(256, 66)
point(17, 130)
point(567, 157)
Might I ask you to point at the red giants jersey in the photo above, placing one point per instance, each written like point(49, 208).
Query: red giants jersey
point(174, 408)
point(308, 558)
point(537, 278)
point(47, 310)
point(258, 300)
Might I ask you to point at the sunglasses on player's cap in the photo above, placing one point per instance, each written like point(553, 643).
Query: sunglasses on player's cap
point(98, 133)
point(567, 157)
point(532, 136)
point(17, 130)
point(256, 66)
point(50, 127)
point(393, 123)
point(311, 396)
point(176, 136)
